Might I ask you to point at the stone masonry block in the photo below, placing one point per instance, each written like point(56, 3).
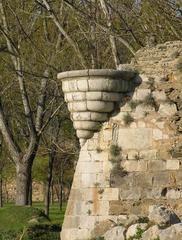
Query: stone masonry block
point(138, 139)
point(159, 95)
point(157, 134)
point(89, 167)
point(161, 179)
point(130, 194)
point(173, 194)
point(134, 166)
point(100, 106)
point(148, 154)
point(157, 165)
point(82, 85)
point(167, 109)
point(172, 164)
point(94, 96)
point(73, 86)
point(109, 194)
point(142, 93)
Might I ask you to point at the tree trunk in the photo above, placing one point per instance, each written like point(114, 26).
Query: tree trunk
point(61, 190)
point(52, 192)
point(1, 192)
point(30, 191)
point(23, 173)
point(48, 182)
point(6, 198)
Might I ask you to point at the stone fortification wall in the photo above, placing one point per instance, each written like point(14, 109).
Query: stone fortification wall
point(135, 160)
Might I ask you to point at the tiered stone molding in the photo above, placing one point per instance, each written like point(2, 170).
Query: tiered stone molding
point(92, 95)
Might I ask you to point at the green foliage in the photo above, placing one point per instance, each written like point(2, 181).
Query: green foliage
point(115, 159)
point(56, 216)
point(118, 170)
point(115, 150)
point(149, 100)
point(16, 217)
point(128, 119)
point(14, 222)
point(40, 168)
point(158, 238)
point(138, 234)
point(10, 235)
point(133, 104)
point(43, 232)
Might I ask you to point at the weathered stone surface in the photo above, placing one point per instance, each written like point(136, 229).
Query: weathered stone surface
point(152, 233)
point(172, 233)
point(100, 106)
point(159, 95)
point(86, 125)
point(135, 138)
point(132, 230)
point(102, 227)
point(150, 151)
point(162, 216)
point(167, 109)
point(84, 134)
point(157, 165)
point(172, 164)
point(157, 134)
point(116, 233)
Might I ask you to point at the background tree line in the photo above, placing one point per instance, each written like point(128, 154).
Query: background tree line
point(40, 38)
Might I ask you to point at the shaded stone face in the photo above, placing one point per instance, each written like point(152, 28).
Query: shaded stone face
point(91, 96)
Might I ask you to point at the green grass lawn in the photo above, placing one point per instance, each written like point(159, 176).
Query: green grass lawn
point(14, 220)
point(56, 216)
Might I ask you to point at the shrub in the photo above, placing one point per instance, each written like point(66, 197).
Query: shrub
point(133, 104)
point(43, 232)
point(115, 150)
point(128, 119)
point(10, 235)
point(138, 234)
point(118, 170)
point(149, 100)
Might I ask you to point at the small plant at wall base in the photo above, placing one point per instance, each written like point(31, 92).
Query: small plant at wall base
point(96, 184)
point(158, 238)
point(115, 150)
point(98, 238)
point(101, 191)
point(98, 149)
point(133, 104)
point(89, 212)
point(128, 119)
point(118, 170)
point(149, 100)
point(138, 234)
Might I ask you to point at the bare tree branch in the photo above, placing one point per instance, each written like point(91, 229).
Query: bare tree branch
point(41, 102)
point(62, 31)
point(105, 29)
point(111, 37)
point(8, 138)
point(18, 67)
point(49, 119)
